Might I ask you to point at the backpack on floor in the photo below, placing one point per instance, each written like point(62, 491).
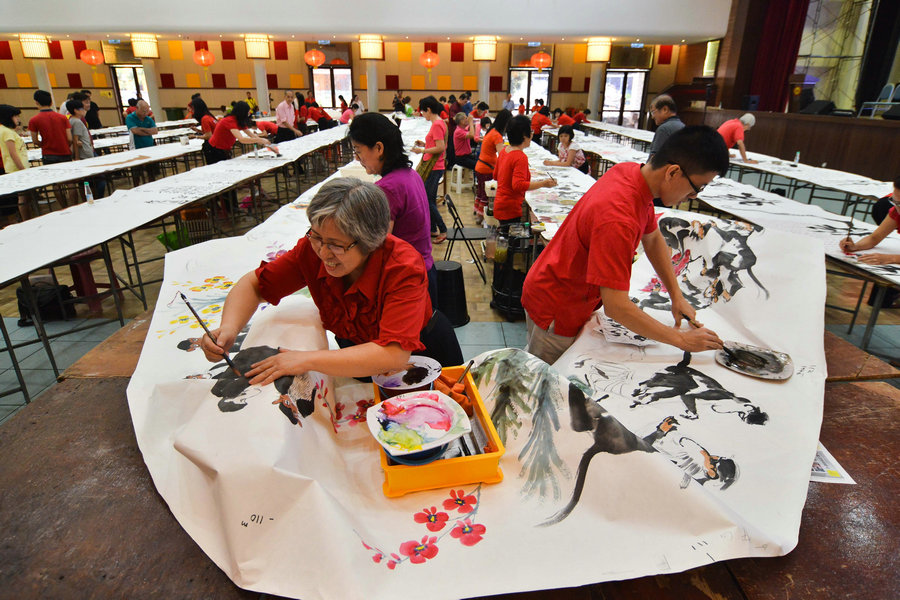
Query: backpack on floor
point(53, 303)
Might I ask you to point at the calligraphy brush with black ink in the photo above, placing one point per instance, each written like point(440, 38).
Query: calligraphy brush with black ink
point(209, 333)
point(697, 325)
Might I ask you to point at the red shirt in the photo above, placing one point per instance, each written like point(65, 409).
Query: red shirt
point(447, 108)
point(222, 137)
point(521, 109)
point(593, 248)
point(535, 108)
point(207, 124)
point(513, 178)
point(51, 126)
point(490, 145)
point(537, 121)
point(895, 216)
point(580, 117)
point(313, 114)
point(732, 132)
point(438, 131)
point(565, 119)
point(267, 127)
point(388, 303)
point(461, 142)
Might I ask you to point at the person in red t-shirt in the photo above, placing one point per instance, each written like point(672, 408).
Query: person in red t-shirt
point(267, 127)
point(890, 223)
point(562, 118)
point(370, 287)
point(52, 133)
point(588, 262)
point(522, 108)
point(732, 132)
point(581, 117)
point(512, 173)
point(539, 120)
point(435, 145)
point(230, 129)
point(201, 113)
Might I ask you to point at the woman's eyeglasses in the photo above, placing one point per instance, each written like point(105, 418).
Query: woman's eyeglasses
point(316, 242)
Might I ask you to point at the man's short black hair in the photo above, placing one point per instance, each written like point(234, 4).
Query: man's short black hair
point(86, 92)
point(545, 110)
point(483, 106)
point(518, 130)
point(697, 149)
point(73, 105)
point(43, 97)
point(897, 182)
point(79, 97)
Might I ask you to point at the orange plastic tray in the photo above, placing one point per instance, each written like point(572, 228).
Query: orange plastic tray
point(449, 472)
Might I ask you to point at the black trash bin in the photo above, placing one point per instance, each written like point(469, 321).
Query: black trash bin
point(451, 292)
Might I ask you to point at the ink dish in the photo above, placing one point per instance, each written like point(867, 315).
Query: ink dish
point(419, 374)
point(754, 361)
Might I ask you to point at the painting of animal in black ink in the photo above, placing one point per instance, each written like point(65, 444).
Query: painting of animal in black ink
point(611, 437)
point(296, 394)
point(720, 276)
point(526, 398)
point(690, 385)
point(692, 458)
point(617, 333)
point(746, 199)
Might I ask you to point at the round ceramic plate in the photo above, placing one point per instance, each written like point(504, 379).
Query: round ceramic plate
point(764, 363)
point(416, 421)
point(419, 373)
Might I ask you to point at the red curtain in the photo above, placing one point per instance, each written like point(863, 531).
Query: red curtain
point(777, 55)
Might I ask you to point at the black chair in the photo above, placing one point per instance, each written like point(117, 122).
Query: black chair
point(467, 235)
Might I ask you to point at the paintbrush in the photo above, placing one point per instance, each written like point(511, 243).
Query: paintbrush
point(209, 333)
point(697, 325)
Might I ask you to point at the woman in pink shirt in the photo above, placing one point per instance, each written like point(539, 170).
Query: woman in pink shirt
point(435, 144)
point(348, 114)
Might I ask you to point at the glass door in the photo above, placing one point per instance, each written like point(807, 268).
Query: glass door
point(129, 83)
point(331, 82)
point(529, 84)
point(623, 98)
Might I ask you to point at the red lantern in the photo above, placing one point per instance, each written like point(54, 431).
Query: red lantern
point(541, 60)
point(92, 57)
point(204, 58)
point(429, 60)
point(338, 61)
point(314, 58)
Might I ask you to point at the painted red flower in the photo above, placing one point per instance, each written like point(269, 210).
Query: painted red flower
point(434, 521)
point(377, 557)
point(467, 533)
point(357, 418)
point(419, 552)
point(365, 404)
point(338, 410)
point(458, 500)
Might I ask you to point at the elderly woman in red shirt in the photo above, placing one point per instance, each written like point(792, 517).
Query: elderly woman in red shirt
point(371, 289)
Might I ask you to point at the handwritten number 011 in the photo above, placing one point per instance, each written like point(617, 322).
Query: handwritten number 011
point(258, 519)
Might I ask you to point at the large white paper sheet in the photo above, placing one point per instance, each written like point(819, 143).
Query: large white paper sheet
point(595, 489)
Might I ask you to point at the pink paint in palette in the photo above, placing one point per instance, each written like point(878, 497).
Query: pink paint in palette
point(417, 421)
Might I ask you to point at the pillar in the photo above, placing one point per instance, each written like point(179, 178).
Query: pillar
point(595, 91)
point(484, 82)
point(152, 91)
point(262, 84)
point(372, 85)
point(42, 78)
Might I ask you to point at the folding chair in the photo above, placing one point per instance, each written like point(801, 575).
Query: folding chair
point(467, 235)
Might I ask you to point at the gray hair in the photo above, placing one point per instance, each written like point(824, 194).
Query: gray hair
point(358, 209)
point(748, 119)
point(460, 117)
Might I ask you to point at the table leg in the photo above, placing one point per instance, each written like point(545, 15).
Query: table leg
point(873, 317)
point(15, 363)
point(38, 323)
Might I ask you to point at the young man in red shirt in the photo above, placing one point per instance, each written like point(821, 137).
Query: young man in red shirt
point(581, 117)
point(52, 133)
point(562, 118)
point(588, 262)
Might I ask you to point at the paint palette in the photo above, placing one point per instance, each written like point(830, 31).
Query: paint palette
point(416, 422)
point(419, 374)
point(754, 361)
point(479, 461)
